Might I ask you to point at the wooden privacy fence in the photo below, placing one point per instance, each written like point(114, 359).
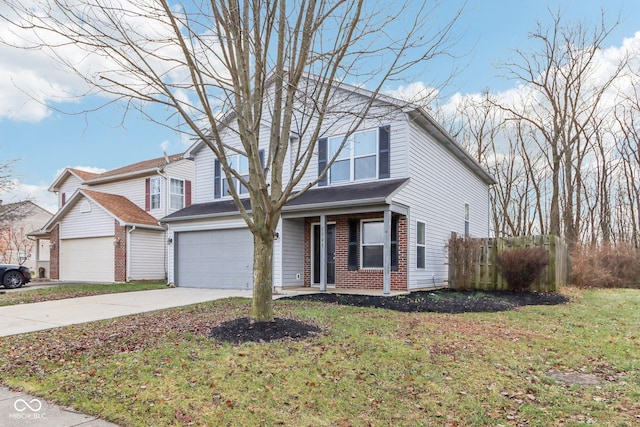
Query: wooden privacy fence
point(472, 262)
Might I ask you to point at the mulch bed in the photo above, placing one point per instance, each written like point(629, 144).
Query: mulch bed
point(441, 301)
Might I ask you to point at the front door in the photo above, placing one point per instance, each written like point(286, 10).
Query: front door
point(331, 254)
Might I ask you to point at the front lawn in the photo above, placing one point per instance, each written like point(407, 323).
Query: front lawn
point(63, 291)
point(368, 366)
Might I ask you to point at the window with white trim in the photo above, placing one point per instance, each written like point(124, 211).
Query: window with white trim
point(466, 219)
point(154, 192)
point(372, 244)
point(176, 193)
point(240, 164)
point(421, 245)
point(358, 159)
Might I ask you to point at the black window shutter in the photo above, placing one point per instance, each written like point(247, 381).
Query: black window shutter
point(217, 183)
point(394, 243)
point(322, 160)
point(353, 244)
point(261, 154)
point(384, 152)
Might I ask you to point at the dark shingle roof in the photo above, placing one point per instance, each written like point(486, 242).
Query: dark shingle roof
point(343, 195)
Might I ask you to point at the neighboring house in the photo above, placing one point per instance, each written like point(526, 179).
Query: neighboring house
point(397, 194)
point(17, 221)
point(106, 228)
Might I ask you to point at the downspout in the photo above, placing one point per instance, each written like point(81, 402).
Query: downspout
point(128, 265)
point(160, 171)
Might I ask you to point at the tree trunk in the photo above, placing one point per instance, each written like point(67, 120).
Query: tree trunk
point(262, 308)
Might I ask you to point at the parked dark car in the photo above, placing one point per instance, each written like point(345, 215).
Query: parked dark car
point(14, 276)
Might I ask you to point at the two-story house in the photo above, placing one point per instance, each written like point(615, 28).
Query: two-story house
point(106, 228)
point(386, 208)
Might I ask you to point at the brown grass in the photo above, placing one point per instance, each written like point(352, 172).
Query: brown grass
point(606, 267)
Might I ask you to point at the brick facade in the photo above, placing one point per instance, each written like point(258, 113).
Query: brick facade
point(120, 253)
point(361, 278)
point(54, 253)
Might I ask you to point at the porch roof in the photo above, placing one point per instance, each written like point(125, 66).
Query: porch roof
point(373, 192)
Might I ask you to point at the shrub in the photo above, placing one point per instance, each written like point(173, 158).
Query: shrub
point(522, 266)
point(605, 267)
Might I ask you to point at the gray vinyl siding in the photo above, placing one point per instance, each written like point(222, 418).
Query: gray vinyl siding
point(147, 255)
point(134, 188)
point(292, 253)
point(68, 187)
point(95, 223)
point(334, 126)
point(204, 179)
point(440, 186)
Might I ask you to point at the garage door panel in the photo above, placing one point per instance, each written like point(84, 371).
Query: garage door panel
point(215, 259)
point(87, 260)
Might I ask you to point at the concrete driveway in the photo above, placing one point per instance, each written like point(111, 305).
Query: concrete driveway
point(21, 318)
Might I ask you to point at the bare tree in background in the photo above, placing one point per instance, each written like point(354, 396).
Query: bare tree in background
point(564, 99)
point(629, 154)
point(249, 67)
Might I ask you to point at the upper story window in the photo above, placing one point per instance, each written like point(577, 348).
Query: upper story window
point(240, 164)
point(154, 192)
point(176, 193)
point(365, 155)
point(358, 158)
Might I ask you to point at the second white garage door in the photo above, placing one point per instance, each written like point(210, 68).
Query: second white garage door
point(214, 259)
point(87, 260)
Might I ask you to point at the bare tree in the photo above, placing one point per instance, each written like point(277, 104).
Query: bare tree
point(14, 243)
point(564, 97)
point(245, 67)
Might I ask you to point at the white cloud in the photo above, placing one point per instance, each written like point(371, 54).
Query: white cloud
point(38, 194)
point(91, 169)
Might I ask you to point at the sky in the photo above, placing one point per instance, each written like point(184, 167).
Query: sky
point(43, 138)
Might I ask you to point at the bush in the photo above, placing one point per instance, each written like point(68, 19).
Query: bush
point(605, 267)
point(522, 266)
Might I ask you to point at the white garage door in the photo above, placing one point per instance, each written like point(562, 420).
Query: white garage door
point(214, 259)
point(87, 260)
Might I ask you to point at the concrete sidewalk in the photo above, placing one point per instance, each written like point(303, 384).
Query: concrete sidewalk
point(22, 318)
point(19, 409)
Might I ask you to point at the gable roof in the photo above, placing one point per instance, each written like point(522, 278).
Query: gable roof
point(122, 208)
point(414, 112)
point(119, 207)
point(141, 168)
point(19, 211)
point(367, 193)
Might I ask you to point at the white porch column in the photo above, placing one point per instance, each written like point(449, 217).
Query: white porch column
point(323, 253)
point(386, 262)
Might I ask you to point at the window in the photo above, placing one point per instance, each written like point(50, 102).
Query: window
point(466, 219)
point(154, 192)
point(372, 246)
point(421, 248)
point(176, 193)
point(358, 159)
point(240, 164)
